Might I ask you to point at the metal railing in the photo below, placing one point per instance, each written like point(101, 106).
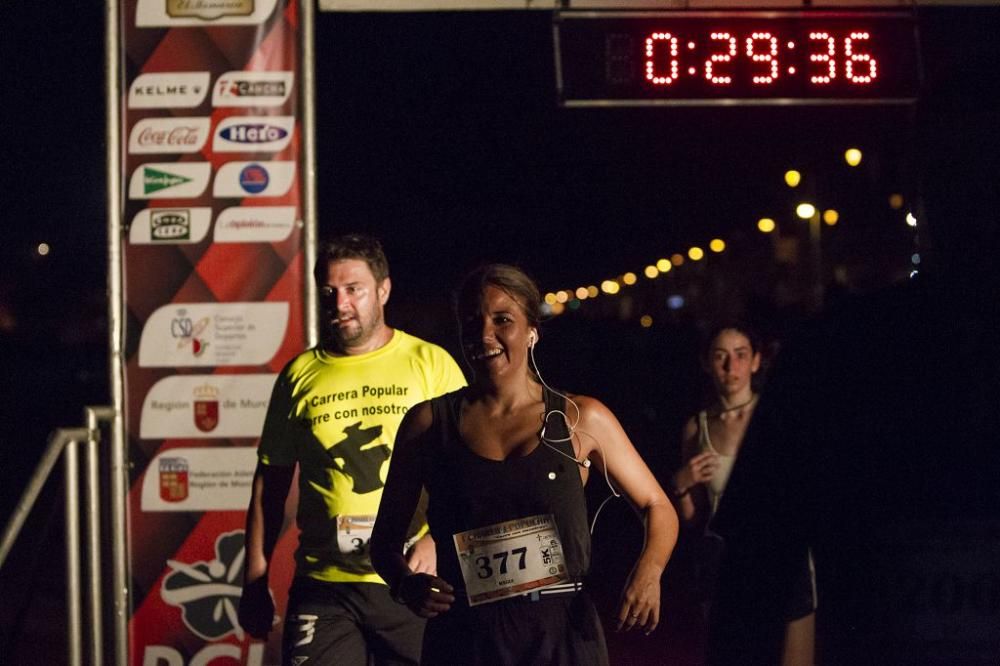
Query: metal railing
point(65, 443)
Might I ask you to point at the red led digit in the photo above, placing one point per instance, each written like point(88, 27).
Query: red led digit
point(769, 57)
point(727, 56)
point(673, 67)
point(853, 57)
point(829, 57)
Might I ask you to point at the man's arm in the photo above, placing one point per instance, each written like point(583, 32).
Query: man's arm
point(265, 517)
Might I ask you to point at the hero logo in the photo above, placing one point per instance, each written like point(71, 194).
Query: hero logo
point(207, 594)
point(168, 135)
point(253, 134)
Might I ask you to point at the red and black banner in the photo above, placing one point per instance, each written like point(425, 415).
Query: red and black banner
point(213, 278)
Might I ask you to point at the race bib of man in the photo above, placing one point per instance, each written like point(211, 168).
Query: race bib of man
point(354, 533)
point(510, 558)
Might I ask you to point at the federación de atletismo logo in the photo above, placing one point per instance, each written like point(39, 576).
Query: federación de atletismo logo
point(208, 592)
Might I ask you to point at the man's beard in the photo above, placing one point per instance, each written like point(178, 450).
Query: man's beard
point(339, 337)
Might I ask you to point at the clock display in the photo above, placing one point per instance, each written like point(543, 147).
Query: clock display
point(707, 58)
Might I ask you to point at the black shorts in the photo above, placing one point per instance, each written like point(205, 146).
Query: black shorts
point(348, 623)
point(555, 631)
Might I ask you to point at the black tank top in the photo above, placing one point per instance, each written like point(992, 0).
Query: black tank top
point(467, 491)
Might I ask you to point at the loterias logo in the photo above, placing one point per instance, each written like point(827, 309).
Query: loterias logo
point(175, 180)
point(256, 179)
point(252, 89)
point(253, 134)
point(169, 13)
point(208, 592)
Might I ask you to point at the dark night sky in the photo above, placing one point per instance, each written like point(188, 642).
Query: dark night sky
point(438, 132)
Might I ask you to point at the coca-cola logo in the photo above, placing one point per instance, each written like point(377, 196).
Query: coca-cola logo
point(169, 135)
point(177, 136)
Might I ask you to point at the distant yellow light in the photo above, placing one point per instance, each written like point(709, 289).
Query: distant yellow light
point(910, 220)
point(793, 178)
point(650, 272)
point(677, 259)
point(645, 321)
point(805, 210)
point(831, 217)
point(663, 265)
point(43, 249)
point(766, 225)
point(717, 245)
point(550, 298)
point(593, 291)
point(558, 308)
point(852, 156)
point(610, 287)
point(562, 296)
point(630, 278)
point(895, 201)
point(582, 293)
point(696, 253)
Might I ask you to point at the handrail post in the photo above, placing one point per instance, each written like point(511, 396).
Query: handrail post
point(93, 416)
point(71, 497)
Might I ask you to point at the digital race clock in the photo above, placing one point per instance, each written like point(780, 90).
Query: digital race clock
point(710, 58)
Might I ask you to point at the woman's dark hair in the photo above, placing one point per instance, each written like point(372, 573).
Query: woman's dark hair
point(511, 279)
point(741, 327)
point(351, 246)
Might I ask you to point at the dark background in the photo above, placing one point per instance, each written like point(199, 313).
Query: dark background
point(440, 133)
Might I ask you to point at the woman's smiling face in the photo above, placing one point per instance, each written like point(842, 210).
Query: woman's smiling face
point(496, 339)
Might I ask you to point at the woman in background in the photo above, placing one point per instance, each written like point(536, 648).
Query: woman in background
point(710, 444)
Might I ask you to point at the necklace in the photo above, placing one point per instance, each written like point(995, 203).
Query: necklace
point(736, 407)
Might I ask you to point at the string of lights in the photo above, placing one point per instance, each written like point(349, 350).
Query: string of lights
point(559, 301)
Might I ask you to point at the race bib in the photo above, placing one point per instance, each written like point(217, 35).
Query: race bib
point(510, 558)
point(354, 533)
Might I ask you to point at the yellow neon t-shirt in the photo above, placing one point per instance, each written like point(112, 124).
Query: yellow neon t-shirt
point(337, 417)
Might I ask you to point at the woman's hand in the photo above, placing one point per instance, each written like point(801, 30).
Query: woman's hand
point(699, 469)
point(422, 556)
point(641, 599)
point(426, 595)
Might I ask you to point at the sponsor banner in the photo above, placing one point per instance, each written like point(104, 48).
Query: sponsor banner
point(169, 180)
point(201, 13)
point(207, 593)
point(212, 334)
point(168, 90)
point(254, 179)
point(170, 226)
point(249, 134)
point(252, 89)
point(202, 406)
point(199, 479)
point(169, 135)
point(254, 224)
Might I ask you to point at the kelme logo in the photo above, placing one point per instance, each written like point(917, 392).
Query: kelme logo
point(154, 180)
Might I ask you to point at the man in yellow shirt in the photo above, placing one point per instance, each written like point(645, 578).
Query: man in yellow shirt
point(334, 412)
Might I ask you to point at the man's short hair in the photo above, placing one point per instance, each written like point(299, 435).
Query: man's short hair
point(351, 246)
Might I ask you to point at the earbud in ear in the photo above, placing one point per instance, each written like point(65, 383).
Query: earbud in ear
point(532, 338)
